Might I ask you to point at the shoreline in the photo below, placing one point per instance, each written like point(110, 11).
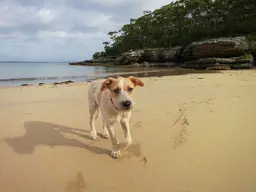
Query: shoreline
point(153, 72)
point(139, 72)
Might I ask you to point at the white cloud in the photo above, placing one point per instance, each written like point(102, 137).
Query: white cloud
point(46, 15)
point(63, 29)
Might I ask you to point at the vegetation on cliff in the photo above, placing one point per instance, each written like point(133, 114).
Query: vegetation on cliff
point(182, 22)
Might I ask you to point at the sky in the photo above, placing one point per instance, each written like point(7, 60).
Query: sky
point(63, 30)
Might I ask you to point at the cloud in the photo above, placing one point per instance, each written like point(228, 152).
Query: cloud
point(63, 30)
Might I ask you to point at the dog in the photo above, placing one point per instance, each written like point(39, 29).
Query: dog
point(113, 98)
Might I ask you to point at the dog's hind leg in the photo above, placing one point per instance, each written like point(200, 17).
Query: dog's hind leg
point(93, 112)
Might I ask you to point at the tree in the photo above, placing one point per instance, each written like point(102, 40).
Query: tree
point(96, 55)
point(182, 22)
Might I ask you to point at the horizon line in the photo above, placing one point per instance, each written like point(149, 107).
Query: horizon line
point(35, 61)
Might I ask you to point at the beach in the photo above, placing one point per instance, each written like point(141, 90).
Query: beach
point(191, 133)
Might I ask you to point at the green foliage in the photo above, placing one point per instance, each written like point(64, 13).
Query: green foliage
point(182, 22)
point(96, 55)
point(247, 56)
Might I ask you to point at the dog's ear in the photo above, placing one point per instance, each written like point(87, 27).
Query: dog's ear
point(136, 81)
point(107, 83)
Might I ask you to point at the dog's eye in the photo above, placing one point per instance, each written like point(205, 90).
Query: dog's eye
point(117, 91)
point(129, 89)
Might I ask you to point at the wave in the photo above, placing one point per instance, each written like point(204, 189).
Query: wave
point(41, 78)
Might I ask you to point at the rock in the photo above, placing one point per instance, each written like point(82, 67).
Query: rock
point(129, 57)
point(219, 67)
point(221, 48)
point(160, 54)
point(136, 65)
point(140, 65)
point(171, 54)
point(63, 82)
point(241, 66)
point(166, 64)
point(25, 85)
point(206, 63)
point(160, 64)
point(220, 63)
point(252, 45)
point(247, 58)
point(67, 82)
point(93, 62)
point(104, 60)
point(149, 55)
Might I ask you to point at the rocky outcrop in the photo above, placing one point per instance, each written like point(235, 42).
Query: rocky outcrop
point(94, 62)
point(199, 55)
point(243, 62)
point(220, 48)
point(160, 64)
point(220, 53)
point(252, 45)
point(160, 54)
point(129, 57)
point(149, 55)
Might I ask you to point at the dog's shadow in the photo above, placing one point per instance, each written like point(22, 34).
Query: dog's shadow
point(49, 134)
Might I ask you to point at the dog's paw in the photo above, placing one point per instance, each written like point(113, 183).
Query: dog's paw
point(128, 143)
point(105, 135)
point(93, 135)
point(115, 154)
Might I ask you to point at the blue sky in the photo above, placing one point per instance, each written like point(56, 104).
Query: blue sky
point(63, 30)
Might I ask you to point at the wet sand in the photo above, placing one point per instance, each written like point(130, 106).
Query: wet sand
point(193, 132)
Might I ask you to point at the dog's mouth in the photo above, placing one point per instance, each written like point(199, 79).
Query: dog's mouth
point(126, 109)
point(123, 106)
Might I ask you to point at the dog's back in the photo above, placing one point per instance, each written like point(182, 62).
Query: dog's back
point(94, 92)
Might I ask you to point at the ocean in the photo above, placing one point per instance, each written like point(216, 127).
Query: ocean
point(18, 73)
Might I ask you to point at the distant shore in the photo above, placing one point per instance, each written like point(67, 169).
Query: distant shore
point(81, 63)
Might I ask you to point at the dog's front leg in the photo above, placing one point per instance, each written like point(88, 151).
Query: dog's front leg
point(126, 128)
point(115, 153)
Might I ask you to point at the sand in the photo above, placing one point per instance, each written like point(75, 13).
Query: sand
point(191, 133)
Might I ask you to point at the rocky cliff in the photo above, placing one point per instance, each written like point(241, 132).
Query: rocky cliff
point(221, 53)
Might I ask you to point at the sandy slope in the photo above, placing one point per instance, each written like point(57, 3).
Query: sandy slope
point(191, 133)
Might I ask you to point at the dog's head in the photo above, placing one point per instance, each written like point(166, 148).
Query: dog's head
point(121, 90)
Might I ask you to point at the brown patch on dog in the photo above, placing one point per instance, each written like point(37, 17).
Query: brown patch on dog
point(114, 84)
point(136, 81)
point(107, 83)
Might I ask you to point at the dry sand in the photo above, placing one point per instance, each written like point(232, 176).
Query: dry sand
point(191, 133)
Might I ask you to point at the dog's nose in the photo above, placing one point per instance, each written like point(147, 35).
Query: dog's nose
point(127, 104)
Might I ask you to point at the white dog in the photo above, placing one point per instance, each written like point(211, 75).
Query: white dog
point(113, 97)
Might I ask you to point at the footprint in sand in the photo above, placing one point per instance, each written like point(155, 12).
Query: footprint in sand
point(180, 137)
point(180, 116)
point(138, 124)
point(133, 151)
point(76, 185)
